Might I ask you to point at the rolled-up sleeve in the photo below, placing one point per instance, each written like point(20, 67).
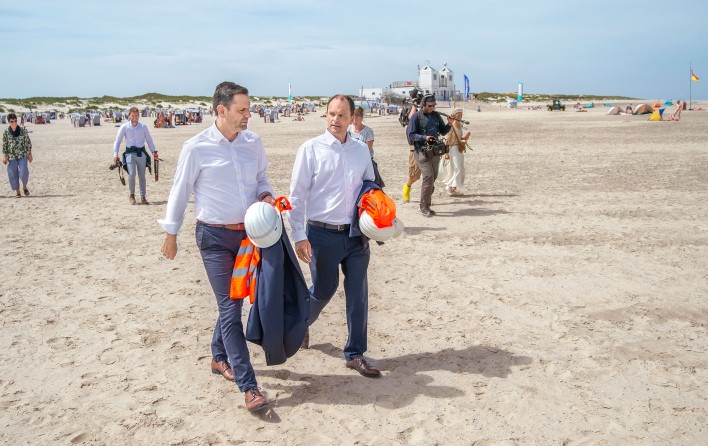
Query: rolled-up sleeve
point(119, 139)
point(148, 139)
point(300, 183)
point(185, 177)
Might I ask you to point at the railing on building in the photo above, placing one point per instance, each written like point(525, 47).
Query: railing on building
point(403, 84)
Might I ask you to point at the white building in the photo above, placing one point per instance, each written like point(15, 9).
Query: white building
point(440, 83)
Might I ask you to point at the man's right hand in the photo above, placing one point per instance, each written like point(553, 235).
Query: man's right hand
point(169, 246)
point(303, 250)
point(430, 138)
point(115, 160)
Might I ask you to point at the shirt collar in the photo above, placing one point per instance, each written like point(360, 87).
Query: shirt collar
point(331, 140)
point(216, 134)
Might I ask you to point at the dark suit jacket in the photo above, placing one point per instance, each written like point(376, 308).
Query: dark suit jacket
point(278, 318)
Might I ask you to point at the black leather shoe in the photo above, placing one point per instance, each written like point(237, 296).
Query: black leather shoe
point(363, 367)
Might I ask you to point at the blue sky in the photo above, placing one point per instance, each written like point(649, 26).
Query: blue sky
point(621, 47)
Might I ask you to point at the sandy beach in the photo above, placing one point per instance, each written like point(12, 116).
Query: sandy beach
point(560, 301)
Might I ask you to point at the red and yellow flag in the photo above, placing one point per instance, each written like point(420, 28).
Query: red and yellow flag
point(694, 77)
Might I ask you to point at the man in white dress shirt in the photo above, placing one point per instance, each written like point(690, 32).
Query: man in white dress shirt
point(327, 178)
point(225, 166)
point(135, 157)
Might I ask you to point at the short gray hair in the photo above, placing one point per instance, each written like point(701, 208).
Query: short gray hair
point(224, 93)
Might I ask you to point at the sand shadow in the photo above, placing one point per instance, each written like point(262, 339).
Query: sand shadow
point(470, 212)
point(415, 230)
point(474, 212)
point(33, 195)
point(491, 195)
point(404, 378)
point(458, 201)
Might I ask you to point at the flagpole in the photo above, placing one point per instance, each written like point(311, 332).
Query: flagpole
point(690, 86)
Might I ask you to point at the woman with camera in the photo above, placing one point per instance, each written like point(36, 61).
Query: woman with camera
point(16, 153)
point(452, 170)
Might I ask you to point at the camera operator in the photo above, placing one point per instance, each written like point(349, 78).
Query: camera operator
point(425, 126)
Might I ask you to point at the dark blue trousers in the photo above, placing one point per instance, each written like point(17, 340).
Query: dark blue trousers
point(219, 247)
point(330, 249)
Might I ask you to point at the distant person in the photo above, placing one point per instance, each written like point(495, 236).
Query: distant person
point(413, 169)
point(629, 109)
point(16, 154)
point(452, 174)
point(676, 115)
point(135, 158)
point(360, 132)
point(225, 167)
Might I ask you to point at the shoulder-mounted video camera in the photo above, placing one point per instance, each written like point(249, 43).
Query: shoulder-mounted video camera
point(416, 97)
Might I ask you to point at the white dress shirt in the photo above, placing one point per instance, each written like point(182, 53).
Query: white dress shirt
point(135, 136)
point(226, 178)
point(327, 178)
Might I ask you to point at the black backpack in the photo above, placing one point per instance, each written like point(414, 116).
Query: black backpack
point(403, 117)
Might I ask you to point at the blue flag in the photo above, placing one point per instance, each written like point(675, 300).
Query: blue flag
point(467, 87)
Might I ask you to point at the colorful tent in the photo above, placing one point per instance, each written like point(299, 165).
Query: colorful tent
point(643, 109)
point(655, 116)
point(657, 104)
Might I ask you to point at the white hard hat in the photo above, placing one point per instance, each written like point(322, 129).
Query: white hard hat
point(369, 228)
point(398, 227)
point(264, 225)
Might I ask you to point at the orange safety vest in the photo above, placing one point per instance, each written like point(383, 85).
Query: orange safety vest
point(243, 279)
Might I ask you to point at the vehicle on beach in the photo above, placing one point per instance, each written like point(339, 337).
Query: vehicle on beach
point(556, 105)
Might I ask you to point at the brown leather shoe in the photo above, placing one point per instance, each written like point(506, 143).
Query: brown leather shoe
point(131, 199)
point(363, 367)
point(222, 368)
point(255, 400)
point(306, 340)
point(143, 200)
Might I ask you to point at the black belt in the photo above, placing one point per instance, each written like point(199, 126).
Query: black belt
point(319, 224)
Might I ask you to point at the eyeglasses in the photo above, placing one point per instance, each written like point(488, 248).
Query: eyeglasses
point(431, 105)
point(13, 120)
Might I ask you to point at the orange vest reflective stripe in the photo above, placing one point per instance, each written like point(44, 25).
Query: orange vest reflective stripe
point(243, 279)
